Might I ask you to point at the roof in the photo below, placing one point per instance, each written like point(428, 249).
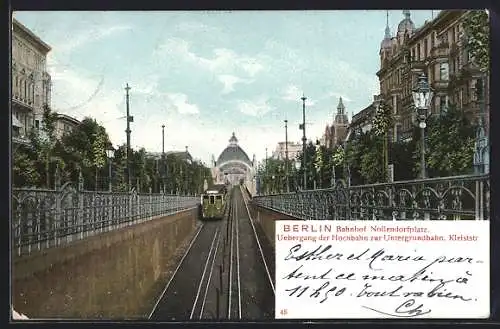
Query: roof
point(406, 24)
point(220, 188)
point(67, 118)
point(363, 115)
point(35, 40)
point(233, 152)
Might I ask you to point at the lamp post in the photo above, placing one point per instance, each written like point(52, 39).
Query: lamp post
point(297, 168)
point(422, 96)
point(303, 127)
point(110, 154)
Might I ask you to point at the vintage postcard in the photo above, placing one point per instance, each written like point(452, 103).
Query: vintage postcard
point(250, 165)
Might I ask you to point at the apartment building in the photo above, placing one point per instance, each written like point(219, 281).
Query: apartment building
point(31, 84)
point(437, 49)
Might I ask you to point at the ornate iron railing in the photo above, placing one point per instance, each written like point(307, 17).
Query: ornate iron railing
point(46, 218)
point(447, 198)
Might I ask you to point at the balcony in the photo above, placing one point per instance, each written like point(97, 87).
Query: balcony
point(22, 104)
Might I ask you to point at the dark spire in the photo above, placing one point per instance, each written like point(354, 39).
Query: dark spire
point(341, 116)
point(387, 29)
point(340, 107)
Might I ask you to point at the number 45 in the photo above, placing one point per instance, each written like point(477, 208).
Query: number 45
point(284, 311)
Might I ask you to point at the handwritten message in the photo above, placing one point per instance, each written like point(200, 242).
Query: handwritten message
point(424, 269)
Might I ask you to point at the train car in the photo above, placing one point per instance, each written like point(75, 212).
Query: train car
point(213, 203)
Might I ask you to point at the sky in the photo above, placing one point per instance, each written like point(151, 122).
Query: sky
point(206, 74)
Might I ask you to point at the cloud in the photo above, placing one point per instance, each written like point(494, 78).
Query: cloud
point(255, 108)
point(194, 27)
point(180, 103)
point(223, 61)
point(338, 95)
point(90, 35)
point(293, 93)
point(229, 81)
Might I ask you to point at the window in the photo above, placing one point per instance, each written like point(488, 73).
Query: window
point(418, 52)
point(444, 71)
point(442, 105)
point(212, 199)
point(37, 124)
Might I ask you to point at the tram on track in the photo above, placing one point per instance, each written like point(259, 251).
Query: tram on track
point(213, 202)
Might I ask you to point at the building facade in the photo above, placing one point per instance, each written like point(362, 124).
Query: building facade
point(436, 49)
point(31, 84)
point(362, 121)
point(294, 149)
point(233, 165)
point(65, 125)
point(336, 133)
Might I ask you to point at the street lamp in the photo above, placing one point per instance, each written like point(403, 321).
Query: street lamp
point(286, 157)
point(422, 96)
point(110, 152)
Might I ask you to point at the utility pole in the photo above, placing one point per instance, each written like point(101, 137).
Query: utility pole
point(129, 119)
point(304, 140)
point(266, 177)
point(163, 140)
point(286, 157)
point(163, 161)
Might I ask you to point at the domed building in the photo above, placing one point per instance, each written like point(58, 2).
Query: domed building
point(233, 165)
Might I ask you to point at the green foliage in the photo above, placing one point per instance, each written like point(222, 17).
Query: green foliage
point(402, 158)
point(477, 33)
point(383, 119)
point(449, 144)
point(84, 150)
point(24, 170)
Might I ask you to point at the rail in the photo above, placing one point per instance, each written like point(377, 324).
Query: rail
point(446, 198)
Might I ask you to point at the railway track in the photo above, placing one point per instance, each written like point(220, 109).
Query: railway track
point(223, 273)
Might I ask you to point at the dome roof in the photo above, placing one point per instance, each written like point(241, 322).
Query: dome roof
point(233, 152)
point(406, 23)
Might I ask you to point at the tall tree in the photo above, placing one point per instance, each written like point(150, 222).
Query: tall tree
point(477, 35)
point(382, 122)
point(98, 157)
point(47, 140)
